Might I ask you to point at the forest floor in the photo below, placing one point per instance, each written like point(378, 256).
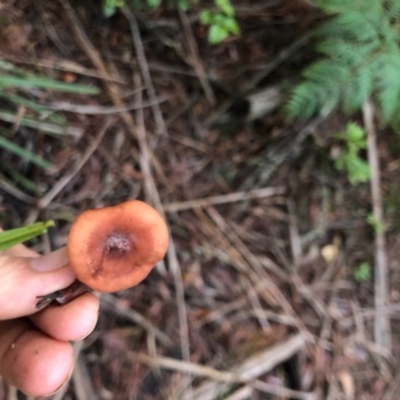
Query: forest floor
point(259, 296)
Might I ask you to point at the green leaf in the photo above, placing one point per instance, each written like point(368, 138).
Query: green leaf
point(354, 133)
point(226, 7)
point(363, 272)
point(231, 26)
point(358, 170)
point(110, 7)
point(216, 34)
point(12, 237)
point(183, 4)
point(219, 19)
point(206, 17)
point(378, 227)
point(154, 3)
point(108, 11)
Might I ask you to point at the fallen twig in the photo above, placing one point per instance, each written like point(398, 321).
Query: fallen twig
point(283, 151)
point(382, 323)
point(224, 198)
point(60, 185)
point(96, 110)
point(153, 195)
point(194, 58)
point(256, 79)
point(112, 304)
point(137, 40)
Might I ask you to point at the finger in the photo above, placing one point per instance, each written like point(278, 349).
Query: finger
point(72, 321)
point(51, 261)
point(20, 250)
point(24, 279)
point(33, 362)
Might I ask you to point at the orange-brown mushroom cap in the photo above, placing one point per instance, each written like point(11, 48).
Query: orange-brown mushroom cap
point(114, 248)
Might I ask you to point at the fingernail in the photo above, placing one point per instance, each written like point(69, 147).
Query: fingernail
point(63, 384)
point(51, 261)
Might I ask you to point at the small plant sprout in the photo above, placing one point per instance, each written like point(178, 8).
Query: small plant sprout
point(349, 160)
point(222, 23)
point(363, 272)
point(378, 227)
point(110, 7)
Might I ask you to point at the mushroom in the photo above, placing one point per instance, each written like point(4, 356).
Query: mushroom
point(113, 248)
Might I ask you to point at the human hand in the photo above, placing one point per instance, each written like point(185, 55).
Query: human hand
point(35, 353)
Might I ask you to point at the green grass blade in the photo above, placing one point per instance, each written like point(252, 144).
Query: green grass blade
point(5, 132)
point(25, 154)
point(42, 126)
point(7, 81)
point(32, 105)
point(20, 179)
point(10, 67)
point(12, 237)
point(19, 100)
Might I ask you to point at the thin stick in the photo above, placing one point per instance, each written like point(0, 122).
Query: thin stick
point(282, 151)
point(141, 55)
point(237, 254)
point(152, 193)
point(95, 58)
point(42, 126)
point(194, 58)
point(257, 78)
point(224, 198)
point(107, 300)
point(63, 65)
point(97, 110)
point(60, 185)
point(282, 391)
point(382, 323)
point(250, 369)
point(10, 188)
point(81, 381)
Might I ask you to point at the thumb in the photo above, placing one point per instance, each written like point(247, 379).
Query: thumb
point(22, 279)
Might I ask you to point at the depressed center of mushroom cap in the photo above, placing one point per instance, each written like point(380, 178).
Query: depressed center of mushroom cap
point(114, 255)
point(117, 245)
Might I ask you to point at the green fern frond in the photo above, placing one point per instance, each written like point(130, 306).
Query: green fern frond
point(392, 8)
point(358, 90)
point(360, 46)
point(307, 98)
point(301, 102)
point(326, 72)
point(339, 6)
point(351, 25)
point(370, 9)
point(388, 84)
point(395, 120)
point(342, 50)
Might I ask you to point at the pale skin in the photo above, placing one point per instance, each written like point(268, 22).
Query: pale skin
point(35, 349)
